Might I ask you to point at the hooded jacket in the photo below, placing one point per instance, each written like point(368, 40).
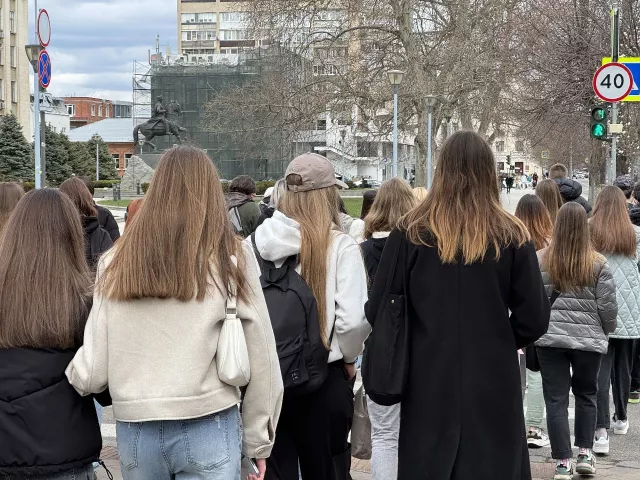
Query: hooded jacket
point(634, 215)
point(372, 249)
point(96, 240)
point(105, 217)
point(571, 191)
point(247, 209)
point(278, 238)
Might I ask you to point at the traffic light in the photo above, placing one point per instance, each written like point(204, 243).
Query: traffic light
point(599, 123)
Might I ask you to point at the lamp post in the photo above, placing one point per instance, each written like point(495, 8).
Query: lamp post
point(96, 138)
point(431, 102)
point(33, 53)
point(395, 78)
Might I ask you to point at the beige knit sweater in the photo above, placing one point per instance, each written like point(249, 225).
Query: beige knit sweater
point(157, 356)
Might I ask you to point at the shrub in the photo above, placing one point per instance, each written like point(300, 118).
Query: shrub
point(104, 183)
point(144, 186)
point(28, 186)
point(351, 185)
point(262, 186)
point(225, 187)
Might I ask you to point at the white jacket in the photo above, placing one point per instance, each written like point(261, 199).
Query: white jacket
point(278, 238)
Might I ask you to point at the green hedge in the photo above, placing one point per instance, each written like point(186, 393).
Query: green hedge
point(28, 186)
point(104, 183)
point(262, 186)
point(144, 186)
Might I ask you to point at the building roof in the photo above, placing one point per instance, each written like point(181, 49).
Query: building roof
point(112, 130)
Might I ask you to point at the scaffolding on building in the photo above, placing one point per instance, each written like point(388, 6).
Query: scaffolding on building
point(141, 109)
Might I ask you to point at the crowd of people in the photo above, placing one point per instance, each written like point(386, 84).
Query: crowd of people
point(226, 336)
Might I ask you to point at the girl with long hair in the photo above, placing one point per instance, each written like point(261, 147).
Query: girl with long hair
point(357, 227)
point(548, 191)
point(464, 264)
point(96, 239)
point(614, 236)
point(10, 195)
point(535, 216)
point(583, 314)
point(314, 427)
point(160, 301)
point(393, 200)
point(47, 429)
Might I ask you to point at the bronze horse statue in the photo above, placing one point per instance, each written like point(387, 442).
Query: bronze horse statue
point(159, 127)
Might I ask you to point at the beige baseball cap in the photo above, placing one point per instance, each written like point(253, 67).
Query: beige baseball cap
point(316, 172)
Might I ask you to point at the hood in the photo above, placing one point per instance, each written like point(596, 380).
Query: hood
point(236, 199)
point(634, 214)
point(569, 189)
point(376, 247)
point(345, 222)
point(90, 224)
point(278, 238)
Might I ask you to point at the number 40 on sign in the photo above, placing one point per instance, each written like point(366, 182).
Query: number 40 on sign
point(613, 82)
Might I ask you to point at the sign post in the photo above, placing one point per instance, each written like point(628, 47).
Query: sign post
point(42, 78)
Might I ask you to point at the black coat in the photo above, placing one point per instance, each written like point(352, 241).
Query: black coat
point(45, 425)
point(462, 415)
point(105, 217)
point(634, 215)
point(372, 253)
point(571, 191)
point(96, 240)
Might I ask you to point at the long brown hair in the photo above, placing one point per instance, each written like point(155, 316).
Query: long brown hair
point(10, 195)
point(535, 216)
point(462, 210)
point(393, 201)
point(44, 279)
point(549, 192)
point(611, 229)
point(317, 213)
point(570, 259)
point(181, 241)
point(80, 195)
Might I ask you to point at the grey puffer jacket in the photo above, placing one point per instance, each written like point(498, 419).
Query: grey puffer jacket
point(627, 278)
point(582, 319)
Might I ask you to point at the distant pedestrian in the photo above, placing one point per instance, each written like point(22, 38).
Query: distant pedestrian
point(277, 192)
point(105, 217)
point(97, 240)
point(241, 208)
point(534, 180)
point(132, 209)
point(160, 301)
point(304, 234)
point(548, 191)
point(583, 293)
point(393, 200)
point(614, 236)
point(535, 216)
point(524, 181)
point(571, 190)
point(464, 264)
point(47, 430)
point(10, 195)
point(626, 183)
point(509, 181)
point(420, 193)
point(266, 199)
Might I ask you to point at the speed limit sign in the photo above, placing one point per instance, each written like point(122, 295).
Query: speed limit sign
point(613, 82)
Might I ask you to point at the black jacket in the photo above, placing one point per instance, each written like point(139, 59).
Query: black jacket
point(634, 215)
point(96, 240)
point(571, 191)
point(466, 324)
point(105, 217)
point(45, 425)
point(371, 253)
point(267, 212)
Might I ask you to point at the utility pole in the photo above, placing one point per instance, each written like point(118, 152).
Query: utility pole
point(36, 107)
point(615, 47)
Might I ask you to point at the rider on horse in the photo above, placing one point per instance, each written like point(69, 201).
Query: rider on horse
point(160, 114)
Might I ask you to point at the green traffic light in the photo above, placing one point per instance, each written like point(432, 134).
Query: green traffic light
point(599, 114)
point(598, 131)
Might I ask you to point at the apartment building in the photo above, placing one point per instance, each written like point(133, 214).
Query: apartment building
point(88, 110)
point(14, 64)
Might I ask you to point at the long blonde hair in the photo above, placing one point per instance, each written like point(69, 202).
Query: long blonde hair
point(462, 212)
point(317, 213)
point(570, 259)
point(42, 254)
point(549, 192)
point(610, 226)
point(181, 241)
point(10, 195)
point(393, 200)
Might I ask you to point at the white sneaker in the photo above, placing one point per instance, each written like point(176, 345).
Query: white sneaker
point(601, 445)
point(621, 427)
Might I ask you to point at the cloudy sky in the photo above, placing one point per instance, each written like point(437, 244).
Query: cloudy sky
point(94, 43)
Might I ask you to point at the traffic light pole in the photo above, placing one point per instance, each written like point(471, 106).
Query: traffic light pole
point(615, 45)
point(614, 144)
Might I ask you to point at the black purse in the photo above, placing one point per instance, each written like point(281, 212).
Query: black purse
point(531, 358)
point(386, 363)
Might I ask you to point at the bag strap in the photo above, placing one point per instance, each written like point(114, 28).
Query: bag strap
point(554, 297)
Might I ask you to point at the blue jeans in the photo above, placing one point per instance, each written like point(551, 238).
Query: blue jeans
point(206, 448)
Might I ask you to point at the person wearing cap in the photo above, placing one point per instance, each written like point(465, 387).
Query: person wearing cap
point(626, 183)
point(313, 429)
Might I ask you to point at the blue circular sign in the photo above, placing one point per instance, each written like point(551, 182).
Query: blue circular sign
point(44, 69)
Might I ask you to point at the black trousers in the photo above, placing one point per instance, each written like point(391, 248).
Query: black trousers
point(313, 431)
point(635, 372)
point(556, 365)
point(615, 372)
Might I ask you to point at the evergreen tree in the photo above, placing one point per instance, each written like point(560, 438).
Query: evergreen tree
point(15, 152)
point(81, 161)
point(107, 165)
point(57, 158)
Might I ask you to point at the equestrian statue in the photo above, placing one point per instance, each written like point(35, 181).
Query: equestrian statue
point(160, 124)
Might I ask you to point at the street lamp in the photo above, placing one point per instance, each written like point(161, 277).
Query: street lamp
point(432, 100)
point(96, 138)
point(395, 78)
point(33, 54)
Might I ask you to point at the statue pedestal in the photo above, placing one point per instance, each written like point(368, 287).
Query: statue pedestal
point(137, 171)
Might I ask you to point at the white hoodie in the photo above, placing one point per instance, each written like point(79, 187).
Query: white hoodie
point(278, 238)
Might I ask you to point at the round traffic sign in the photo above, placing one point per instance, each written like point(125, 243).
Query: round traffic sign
point(44, 28)
point(612, 82)
point(44, 69)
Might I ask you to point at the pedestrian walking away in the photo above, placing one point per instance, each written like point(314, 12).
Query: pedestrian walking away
point(548, 191)
point(614, 236)
point(509, 181)
point(168, 287)
point(242, 211)
point(584, 311)
point(571, 190)
point(463, 263)
point(105, 217)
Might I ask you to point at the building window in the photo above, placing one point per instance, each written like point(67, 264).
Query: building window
point(519, 146)
point(1, 56)
point(500, 146)
point(93, 110)
point(12, 22)
point(233, 17)
point(1, 90)
point(116, 159)
point(12, 54)
point(71, 109)
point(127, 157)
point(100, 110)
point(14, 92)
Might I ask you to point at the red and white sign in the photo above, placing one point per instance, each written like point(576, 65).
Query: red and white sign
point(613, 82)
point(43, 28)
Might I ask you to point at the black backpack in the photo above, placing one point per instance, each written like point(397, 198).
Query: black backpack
point(294, 318)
